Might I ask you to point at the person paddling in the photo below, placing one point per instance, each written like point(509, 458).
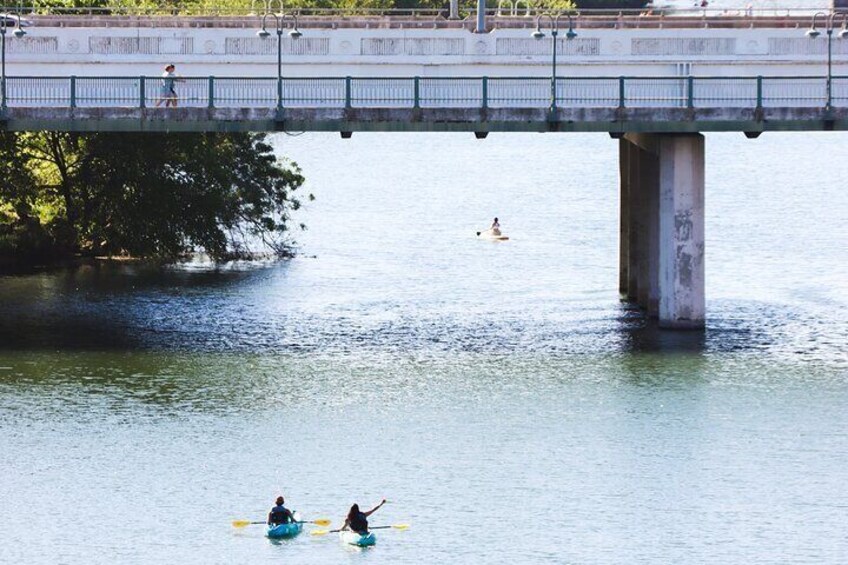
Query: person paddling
point(357, 520)
point(279, 514)
point(496, 227)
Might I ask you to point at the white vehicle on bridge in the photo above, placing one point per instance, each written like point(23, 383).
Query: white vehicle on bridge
point(13, 20)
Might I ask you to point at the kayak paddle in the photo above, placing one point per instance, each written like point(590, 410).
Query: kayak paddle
point(245, 523)
point(395, 526)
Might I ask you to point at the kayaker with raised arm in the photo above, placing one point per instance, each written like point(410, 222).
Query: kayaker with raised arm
point(279, 514)
point(357, 520)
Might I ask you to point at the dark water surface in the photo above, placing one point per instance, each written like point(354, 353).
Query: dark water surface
point(500, 395)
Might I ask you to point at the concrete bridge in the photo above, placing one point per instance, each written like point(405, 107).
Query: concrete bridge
point(652, 83)
point(603, 46)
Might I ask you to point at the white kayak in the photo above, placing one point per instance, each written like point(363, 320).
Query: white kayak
point(352, 538)
point(490, 235)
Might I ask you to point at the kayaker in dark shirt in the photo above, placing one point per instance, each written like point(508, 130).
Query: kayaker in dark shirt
point(358, 520)
point(280, 514)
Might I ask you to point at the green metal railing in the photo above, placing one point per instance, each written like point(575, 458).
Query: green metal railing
point(426, 92)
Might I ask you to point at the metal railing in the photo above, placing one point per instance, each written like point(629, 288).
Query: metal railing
point(501, 9)
point(427, 92)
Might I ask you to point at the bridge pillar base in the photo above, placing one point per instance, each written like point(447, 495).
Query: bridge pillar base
point(661, 258)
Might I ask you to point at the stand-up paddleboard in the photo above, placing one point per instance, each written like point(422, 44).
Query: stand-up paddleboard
point(489, 235)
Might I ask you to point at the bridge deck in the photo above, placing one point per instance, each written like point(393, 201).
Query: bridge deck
point(612, 104)
point(657, 120)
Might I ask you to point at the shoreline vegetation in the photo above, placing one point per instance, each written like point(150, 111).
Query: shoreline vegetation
point(69, 197)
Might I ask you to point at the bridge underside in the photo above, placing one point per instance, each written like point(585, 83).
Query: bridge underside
point(613, 120)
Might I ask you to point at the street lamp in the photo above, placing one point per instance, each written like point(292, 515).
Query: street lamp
point(814, 32)
point(19, 32)
point(3, 25)
point(539, 34)
point(294, 33)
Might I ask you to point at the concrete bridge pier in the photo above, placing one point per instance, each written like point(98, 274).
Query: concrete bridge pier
point(661, 260)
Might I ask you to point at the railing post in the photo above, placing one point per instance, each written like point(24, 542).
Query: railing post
point(759, 92)
point(621, 92)
point(73, 91)
point(141, 92)
point(416, 93)
point(690, 92)
point(485, 92)
point(347, 92)
point(553, 93)
point(211, 92)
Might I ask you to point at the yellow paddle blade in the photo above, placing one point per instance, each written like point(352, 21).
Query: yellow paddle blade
point(322, 522)
point(319, 532)
point(241, 523)
point(401, 526)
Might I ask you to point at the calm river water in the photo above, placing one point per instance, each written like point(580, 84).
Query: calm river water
point(500, 395)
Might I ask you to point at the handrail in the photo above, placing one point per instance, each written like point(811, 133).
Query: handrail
point(212, 8)
point(415, 92)
point(441, 78)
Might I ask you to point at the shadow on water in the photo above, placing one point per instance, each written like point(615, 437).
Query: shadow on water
point(731, 327)
point(101, 305)
point(641, 334)
point(260, 307)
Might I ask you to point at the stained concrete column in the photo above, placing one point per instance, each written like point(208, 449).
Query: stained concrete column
point(681, 231)
point(624, 216)
point(651, 176)
point(661, 258)
point(639, 231)
point(633, 225)
point(640, 221)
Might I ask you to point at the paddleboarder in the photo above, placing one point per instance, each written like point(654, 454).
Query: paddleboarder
point(496, 227)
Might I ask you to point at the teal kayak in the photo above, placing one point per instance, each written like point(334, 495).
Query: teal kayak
point(353, 538)
point(280, 531)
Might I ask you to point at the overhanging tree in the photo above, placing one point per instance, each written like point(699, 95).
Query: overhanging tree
point(159, 195)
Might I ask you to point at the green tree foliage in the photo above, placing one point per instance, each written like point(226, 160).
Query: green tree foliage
point(145, 195)
point(21, 231)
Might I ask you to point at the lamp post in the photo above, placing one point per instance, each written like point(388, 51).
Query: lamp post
point(539, 34)
point(3, 26)
point(19, 33)
point(294, 33)
point(813, 33)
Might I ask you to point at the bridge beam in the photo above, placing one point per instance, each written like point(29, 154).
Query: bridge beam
point(661, 259)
